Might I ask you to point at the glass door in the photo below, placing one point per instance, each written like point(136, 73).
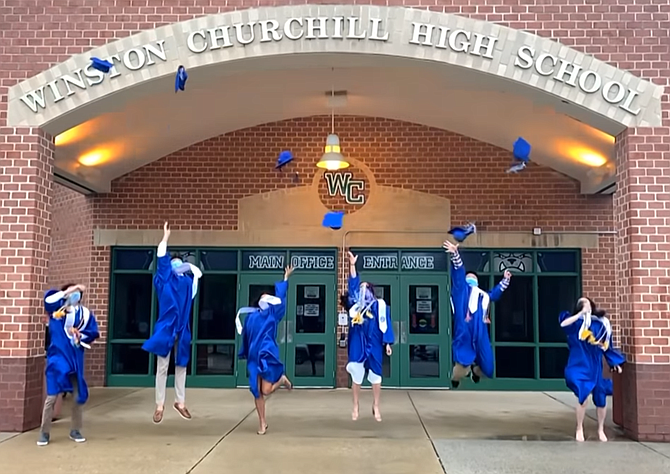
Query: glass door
point(310, 330)
point(252, 286)
point(386, 288)
point(425, 331)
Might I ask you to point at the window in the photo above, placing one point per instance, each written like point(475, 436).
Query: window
point(527, 340)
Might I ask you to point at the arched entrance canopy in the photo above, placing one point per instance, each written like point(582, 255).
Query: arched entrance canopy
point(254, 66)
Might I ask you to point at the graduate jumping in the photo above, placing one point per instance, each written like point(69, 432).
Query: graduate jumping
point(589, 334)
point(72, 329)
point(176, 285)
point(370, 334)
point(259, 346)
point(471, 346)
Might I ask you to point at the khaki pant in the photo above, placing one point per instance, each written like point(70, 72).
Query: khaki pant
point(50, 403)
point(161, 381)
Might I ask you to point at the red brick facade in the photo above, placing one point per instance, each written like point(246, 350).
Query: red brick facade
point(632, 268)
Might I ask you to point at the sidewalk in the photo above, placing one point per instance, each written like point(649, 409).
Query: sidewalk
point(310, 431)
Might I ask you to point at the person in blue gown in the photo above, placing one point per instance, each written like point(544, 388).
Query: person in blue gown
point(471, 345)
point(259, 346)
point(72, 330)
point(589, 335)
point(176, 286)
point(370, 335)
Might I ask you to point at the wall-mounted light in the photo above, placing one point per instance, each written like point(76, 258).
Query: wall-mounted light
point(94, 158)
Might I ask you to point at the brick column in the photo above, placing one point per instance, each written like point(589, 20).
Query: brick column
point(642, 214)
point(26, 160)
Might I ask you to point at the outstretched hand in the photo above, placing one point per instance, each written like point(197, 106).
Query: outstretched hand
point(389, 350)
point(287, 272)
point(450, 247)
point(507, 275)
point(352, 258)
point(166, 231)
point(617, 369)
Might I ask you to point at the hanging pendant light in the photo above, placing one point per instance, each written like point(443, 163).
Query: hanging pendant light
point(332, 159)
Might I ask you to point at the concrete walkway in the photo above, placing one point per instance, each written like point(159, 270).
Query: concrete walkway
point(426, 432)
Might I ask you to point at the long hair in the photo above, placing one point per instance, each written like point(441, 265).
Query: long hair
point(345, 301)
point(595, 311)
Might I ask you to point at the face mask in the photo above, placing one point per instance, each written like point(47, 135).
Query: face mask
point(471, 281)
point(75, 297)
point(176, 263)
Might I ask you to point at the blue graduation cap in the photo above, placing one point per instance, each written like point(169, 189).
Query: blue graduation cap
point(521, 151)
point(461, 233)
point(180, 79)
point(284, 158)
point(333, 220)
point(101, 64)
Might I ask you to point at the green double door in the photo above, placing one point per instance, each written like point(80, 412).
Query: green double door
point(306, 335)
point(421, 317)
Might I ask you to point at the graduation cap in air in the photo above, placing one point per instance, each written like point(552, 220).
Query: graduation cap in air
point(285, 157)
point(333, 220)
point(101, 64)
point(180, 79)
point(521, 151)
point(461, 233)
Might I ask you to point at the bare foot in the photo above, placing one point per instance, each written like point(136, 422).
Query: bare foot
point(601, 436)
point(580, 435)
point(354, 413)
point(263, 430)
point(376, 413)
point(286, 382)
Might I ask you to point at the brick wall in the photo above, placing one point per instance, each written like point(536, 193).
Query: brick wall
point(37, 34)
point(198, 188)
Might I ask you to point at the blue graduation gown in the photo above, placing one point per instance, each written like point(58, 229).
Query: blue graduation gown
point(259, 342)
point(584, 370)
point(64, 359)
point(366, 341)
point(471, 343)
point(175, 297)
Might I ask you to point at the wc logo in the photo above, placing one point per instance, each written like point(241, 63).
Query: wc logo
point(344, 185)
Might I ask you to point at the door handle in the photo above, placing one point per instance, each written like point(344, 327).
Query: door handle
point(289, 332)
point(282, 333)
point(396, 331)
point(403, 333)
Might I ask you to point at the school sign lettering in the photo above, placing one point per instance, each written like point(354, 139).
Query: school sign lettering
point(345, 28)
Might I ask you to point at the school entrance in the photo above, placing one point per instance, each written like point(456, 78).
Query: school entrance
point(231, 278)
point(528, 343)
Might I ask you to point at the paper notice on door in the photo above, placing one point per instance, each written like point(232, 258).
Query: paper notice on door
point(312, 310)
point(298, 310)
point(424, 293)
point(311, 292)
point(424, 307)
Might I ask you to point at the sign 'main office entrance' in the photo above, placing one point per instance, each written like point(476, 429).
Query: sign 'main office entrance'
point(342, 28)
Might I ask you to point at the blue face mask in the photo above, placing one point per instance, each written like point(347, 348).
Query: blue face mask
point(176, 263)
point(472, 281)
point(74, 297)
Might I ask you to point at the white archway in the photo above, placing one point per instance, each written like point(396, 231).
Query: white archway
point(513, 69)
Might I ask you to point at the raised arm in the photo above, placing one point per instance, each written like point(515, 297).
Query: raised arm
point(354, 283)
point(496, 293)
point(457, 267)
point(53, 299)
point(281, 290)
point(567, 321)
point(163, 267)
